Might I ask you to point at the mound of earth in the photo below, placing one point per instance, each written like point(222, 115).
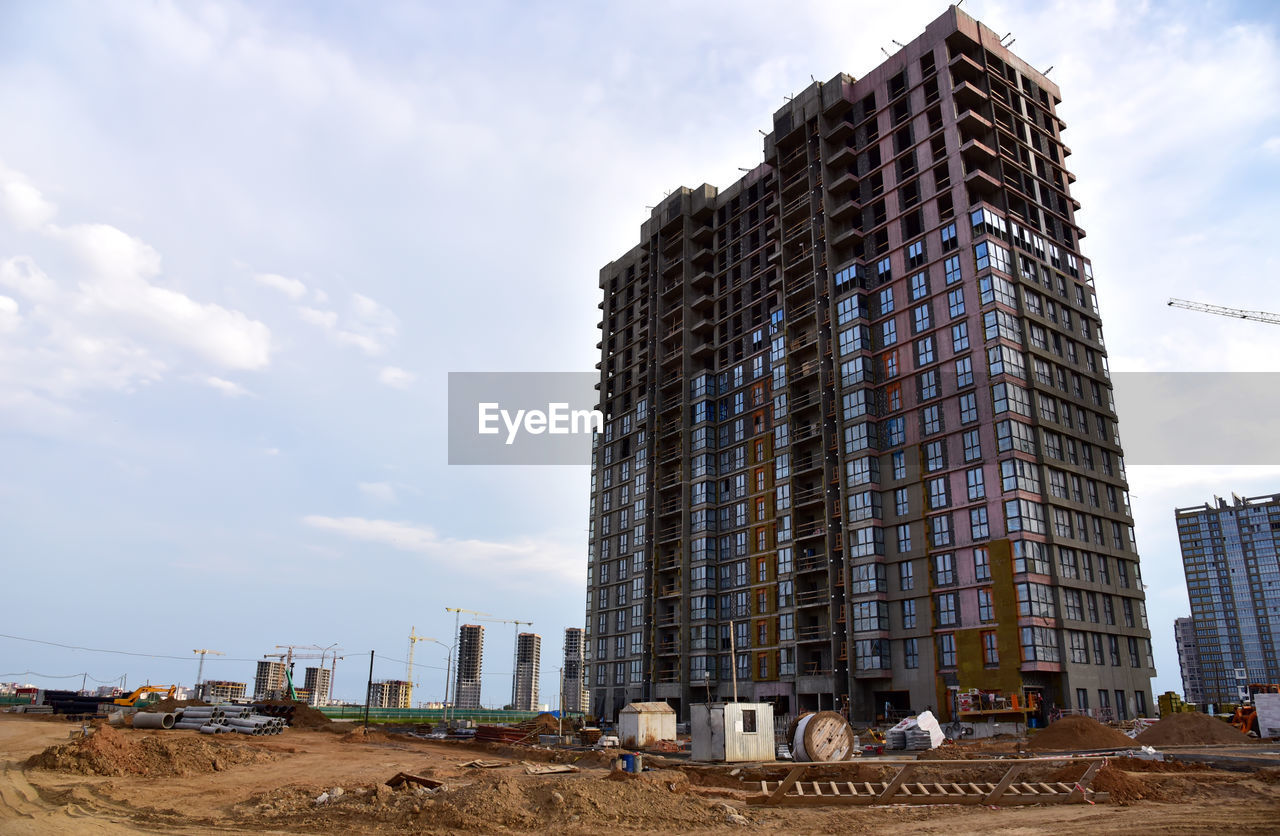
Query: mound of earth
point(1076, 733)
point(1191, 727)
point(109, 751)
point(304, 716)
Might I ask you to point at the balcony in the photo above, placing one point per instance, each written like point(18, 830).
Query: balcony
point(968, 95)
point(812, 563)
point(982, 183)
point(813, 528)
point(964, 68)
point(973, 123)
point(813, 633)
point(845, 182)
point(813, 598)
point(977, 153)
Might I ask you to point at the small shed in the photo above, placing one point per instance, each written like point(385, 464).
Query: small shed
point(733, 732)
point(642, 724)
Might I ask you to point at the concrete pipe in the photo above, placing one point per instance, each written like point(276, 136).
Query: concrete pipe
point(822, 737)
point(153, 720)
point(211, 730)
point(195, 724)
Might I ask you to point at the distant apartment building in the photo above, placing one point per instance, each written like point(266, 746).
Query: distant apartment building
point(574, 687)
point(270, 682)
point(860, 445)
point(318, 684)
point(221, 690)
point(528, 667)
point(390, 693)
point(1184, 636)
point(1230, 554)
point(470, 659)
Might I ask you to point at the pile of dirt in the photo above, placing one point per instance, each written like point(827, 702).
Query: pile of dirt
point(1076, 733)
point(304, 716)
point(166, 705)
point(1123, 788)
point(111, 752)
point(1191, 728)
point(580, 803)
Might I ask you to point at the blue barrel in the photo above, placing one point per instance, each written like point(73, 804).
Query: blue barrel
point(628, 763)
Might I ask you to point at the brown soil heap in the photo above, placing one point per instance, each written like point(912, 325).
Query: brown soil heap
point(111, 752)
point(1078, 733)
point(1191, 727)
point(304, 716)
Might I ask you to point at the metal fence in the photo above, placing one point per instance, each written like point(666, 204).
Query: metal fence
point(424, 715)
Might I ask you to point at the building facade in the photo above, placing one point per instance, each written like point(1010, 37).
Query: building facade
point(470, 659)
point(1229, 556)
point(270, 683)
point(1184, 637)
point(220, 690)
point(860, 449)
point(573, 685)
point(390, 693)
point(528, 667)
point(318, 685)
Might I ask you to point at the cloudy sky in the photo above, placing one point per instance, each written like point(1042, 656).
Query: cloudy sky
point(242, 245)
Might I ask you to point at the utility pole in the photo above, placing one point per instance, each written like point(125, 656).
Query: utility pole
point(457, 614)
point(368, 694)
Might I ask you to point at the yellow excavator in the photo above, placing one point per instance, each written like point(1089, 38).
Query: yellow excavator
point(132, 699)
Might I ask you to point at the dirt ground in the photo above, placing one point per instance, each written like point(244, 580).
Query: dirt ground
point(188, 784)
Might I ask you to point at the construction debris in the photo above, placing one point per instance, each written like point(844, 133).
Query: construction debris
point(547, 768)
point(482, 764)
point(917, 733)
point(401, 778)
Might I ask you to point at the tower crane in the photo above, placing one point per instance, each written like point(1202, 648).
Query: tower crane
point(457, 614)
point(200, 670)
point(414, 638)
point(291, 654)
point(1220, 310)
point(515, 651)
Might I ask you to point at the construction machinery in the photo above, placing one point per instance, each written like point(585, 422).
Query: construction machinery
point(132, 699)
point(1221, 310)
point(200, 670)
point(1245, 718)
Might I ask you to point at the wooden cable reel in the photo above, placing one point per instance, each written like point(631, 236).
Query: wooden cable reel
point(824, 736)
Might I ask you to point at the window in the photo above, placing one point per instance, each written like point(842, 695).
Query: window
point(910, 653)
point(1077, 648)
point(889, 332)
point(1036, 600)
point(1019, 475)
point(949, 239)
point(906, 576)
point(944, 569)
point(1024, 515)
point(921, 318)
point(886, 298)
point(968, 408)
point(935, 456)
point(972, 446)
point(960, 337)
point(977, 489)
point(978, 526)
point(940, 530)
point(928, 383)
point(946, 650)
point(908, 614)
point(990, 652)
point(1073, 604)
point(1009, 397)
point(924, 351)
point(904, 538)
point(990, 254)
point(955, 302)
point(986, 610)
point(931, 420)
point(919, 282)
point(916, 254)
point(964, 372)
point(952, 268)
point(1039, 644)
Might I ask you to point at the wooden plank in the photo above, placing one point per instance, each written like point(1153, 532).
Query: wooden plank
point(868, 786)
point(1048, 789)
point(892, 787)
point(852, 791)
point(786, 784)
point(923, 789)
point(834, 789)
point(817, 788)
point(1028, 788)
point(1078, 792)
point(1004, 784)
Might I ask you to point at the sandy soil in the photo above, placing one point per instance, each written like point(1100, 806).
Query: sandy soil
point(277, 795)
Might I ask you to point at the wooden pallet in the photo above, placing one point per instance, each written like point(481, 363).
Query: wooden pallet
point(796, 790)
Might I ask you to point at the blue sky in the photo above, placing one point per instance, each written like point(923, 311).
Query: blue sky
point(241, 246)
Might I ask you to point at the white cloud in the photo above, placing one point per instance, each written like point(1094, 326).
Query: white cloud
point(363, 342)
point(226, 387)
point(10, 318)
point(396, 378)
point(292, 288)
point(521, 559)
point(381, 491)
point(109, 324)
point(22, 203)
point(272, 451)
point(1272, 145)
point(324, 319)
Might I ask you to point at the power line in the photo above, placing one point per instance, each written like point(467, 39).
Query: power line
point(63, 676)
point(116, 652)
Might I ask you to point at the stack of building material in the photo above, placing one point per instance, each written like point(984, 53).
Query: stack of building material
point(916, 733)
point(220, 719)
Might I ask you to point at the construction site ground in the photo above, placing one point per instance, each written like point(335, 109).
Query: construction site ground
point(186, 783)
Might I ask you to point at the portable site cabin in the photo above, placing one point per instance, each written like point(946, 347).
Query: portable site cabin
point(733, 732)
point(643, 724)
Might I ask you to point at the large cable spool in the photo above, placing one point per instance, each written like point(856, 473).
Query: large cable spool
point(822, 737)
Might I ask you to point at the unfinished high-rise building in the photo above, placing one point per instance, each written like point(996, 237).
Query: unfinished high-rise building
point(1184, 637)
point(270, 682)
point(573, 683)
point(528, 665)
point(470, 657)
point(390, 693)
point(861, 451)
point(318, 684)
point(1231, 559)
point(220, 690)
